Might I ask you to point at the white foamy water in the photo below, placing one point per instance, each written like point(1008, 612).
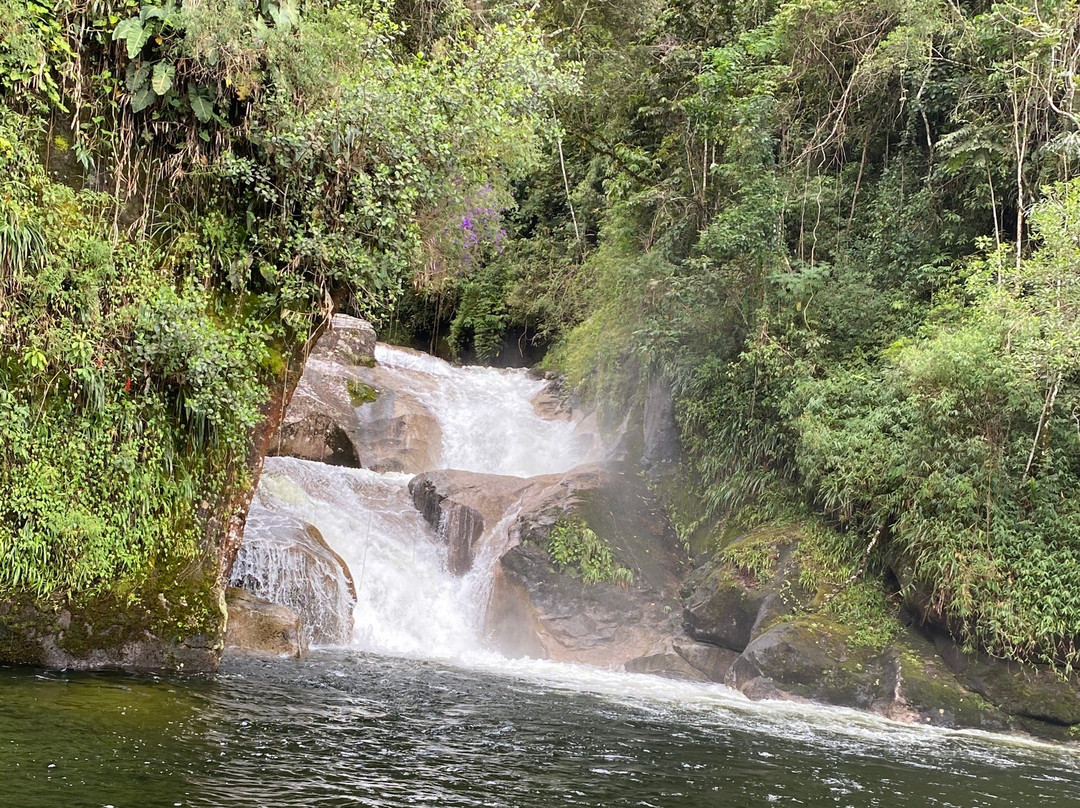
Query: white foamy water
point(487, 419)
point(407, 602)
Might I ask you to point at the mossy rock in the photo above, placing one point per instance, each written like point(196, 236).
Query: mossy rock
point(1044, 702)
point(927, 692)
point(175, 626)
point(746, 588)
point(361, 393)
point(811, 657)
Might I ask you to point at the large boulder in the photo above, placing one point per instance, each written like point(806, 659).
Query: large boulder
point(181, 631)
point(683, 658)
point(1044, 703)
point(257, 626)
point(540, 609)
point(346, 410)
point(465, 507)
point(816, 658)
point(728, 605)
point(288, 562)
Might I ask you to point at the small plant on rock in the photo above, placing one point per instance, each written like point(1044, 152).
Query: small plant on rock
point(575, 548)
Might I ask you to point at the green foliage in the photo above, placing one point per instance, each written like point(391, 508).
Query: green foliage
point(360, 393)
point(210, 371)
point(576, 549)
point(265, 162)
point(838, 230)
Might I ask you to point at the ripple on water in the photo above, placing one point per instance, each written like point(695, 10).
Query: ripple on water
point(352, 729)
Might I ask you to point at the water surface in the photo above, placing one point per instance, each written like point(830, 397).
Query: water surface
point(349, 729)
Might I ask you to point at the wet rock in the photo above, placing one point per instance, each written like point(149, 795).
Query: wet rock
point(815, 658)
point(348, 341)
point(395, 432)
point(458, 525)
point(551, 402)
point(661, 449)
point(536, 609)
point(287, 561)
point(682, 658)
point(925, 691)
point(722, 606)
point(540, 610)
point(812, 658)
point(1035, 696)
point(257, 626)
point(728, 605)
point(172, 633)
point(463, 506)
point(348, 411)
point(712, 661)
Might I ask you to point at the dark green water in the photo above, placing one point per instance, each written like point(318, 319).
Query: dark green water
point(354, 730)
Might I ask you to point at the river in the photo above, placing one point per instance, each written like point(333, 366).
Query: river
point(352, 729)
point(409, 708)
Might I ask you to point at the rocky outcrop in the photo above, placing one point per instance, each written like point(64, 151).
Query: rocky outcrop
point(815, 658)
point(257, 626)
point(348, 411)
point(289, 561)
point(465, 507)
point(540, 610)
point(727, 605)
point(785, 647)
point(1041, 701)
point(163, 633)
point(661, 450)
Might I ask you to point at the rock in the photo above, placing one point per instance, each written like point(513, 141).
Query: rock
point(926, 692)
point(348, 411)
point(810, 657)
point(713, 662)
point(461, 505)
point(538, 610)
point(181, 632)
point(727, 605)
point(682, 658)
point(661, 449)
point(316, 436)
point(458, 525)
point(722, 606)
point(395, 432)
point(1036, 696)
point(287, 561)
point(551, 403)
point(348, 341)
point(815, 658)
point(665, 660)
point(257, 626)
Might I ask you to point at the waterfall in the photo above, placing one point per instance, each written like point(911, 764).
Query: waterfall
point(406, 600)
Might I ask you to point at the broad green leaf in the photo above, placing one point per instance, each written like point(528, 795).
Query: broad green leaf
point(142, 99)
point(163, 78)
point(202, 106)
point(137, 77)
point(134, 34)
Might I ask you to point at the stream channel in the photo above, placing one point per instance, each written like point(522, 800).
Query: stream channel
point(411, 708)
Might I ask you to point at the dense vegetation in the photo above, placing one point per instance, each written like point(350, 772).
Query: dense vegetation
point(185, 190)
point(846, 233)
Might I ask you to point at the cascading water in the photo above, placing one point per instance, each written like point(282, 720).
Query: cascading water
point(407, 601)
point(487, 418)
